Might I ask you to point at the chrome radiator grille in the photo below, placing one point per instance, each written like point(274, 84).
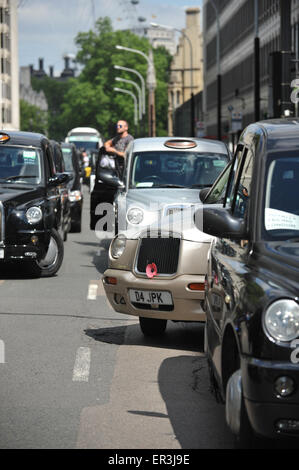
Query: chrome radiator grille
point(164, 252)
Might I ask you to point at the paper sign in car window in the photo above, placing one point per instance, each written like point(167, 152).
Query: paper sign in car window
point(280, 220)
point(29, 157)
point(144, 185)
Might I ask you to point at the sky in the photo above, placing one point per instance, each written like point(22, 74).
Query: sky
point(47, 28)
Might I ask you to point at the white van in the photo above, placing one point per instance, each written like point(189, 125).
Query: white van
point(85, 137)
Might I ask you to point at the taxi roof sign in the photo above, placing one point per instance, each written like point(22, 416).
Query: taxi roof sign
point(180, 144)
point(4, 138)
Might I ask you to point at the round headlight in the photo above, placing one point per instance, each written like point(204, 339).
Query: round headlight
point(281, 320)
point(34, 215)
point(135, 215)
point(118, 246)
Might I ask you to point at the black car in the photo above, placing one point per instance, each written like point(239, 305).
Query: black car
point(30, 203)
point(252, 301)
point(102, 191)
point(72, 167)
point(63, 188)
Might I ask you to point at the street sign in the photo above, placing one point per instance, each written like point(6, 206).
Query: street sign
point(236, 122)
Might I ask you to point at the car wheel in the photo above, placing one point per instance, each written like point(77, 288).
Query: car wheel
point(50, 265)
point(236, 414)
point(152, 326)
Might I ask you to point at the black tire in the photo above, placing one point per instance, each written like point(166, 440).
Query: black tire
point(152, 326)
point(50, 268)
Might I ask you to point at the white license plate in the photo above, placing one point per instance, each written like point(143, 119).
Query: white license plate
point(1, 253)
point(150, 297)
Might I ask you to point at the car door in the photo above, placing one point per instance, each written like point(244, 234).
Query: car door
point(54, 210)
point(227, 261)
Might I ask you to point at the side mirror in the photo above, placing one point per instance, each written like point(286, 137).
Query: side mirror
point(60, 178)
point(218, 222)
point(109, 177)
point(203, 194)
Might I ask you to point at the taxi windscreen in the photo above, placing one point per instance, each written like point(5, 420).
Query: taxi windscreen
point(20, 164)
point(176, 169)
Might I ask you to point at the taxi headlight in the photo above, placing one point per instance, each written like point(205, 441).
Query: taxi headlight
point(75, 196)
point(135, 216)
point(118, 246)
point(34, 215)
point(281, 320)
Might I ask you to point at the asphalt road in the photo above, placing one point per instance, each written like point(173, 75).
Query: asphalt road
point(79, 375)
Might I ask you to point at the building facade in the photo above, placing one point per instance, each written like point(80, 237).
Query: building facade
point(32, 97)
point(237, 34)
point(186, 71)
point(9, 70)
point(158, 37)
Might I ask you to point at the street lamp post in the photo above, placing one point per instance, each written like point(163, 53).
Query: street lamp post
point(151, 85)
point(219, 84)
point(126, 69)
point(127, 92)
point(119, 79)
point(192, 117)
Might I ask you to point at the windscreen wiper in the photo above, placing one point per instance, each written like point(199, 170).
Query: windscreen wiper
point(170, 186)
point(201, 186)
point(16, 177)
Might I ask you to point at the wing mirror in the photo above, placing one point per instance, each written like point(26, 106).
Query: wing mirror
point(219, 222)
point(109, 177)
point(60, 178)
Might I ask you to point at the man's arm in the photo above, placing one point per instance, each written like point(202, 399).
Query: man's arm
point(110, 149)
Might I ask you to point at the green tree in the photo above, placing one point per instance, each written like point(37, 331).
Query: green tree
point(91, 100)
point(33, 119)
point(55, 92)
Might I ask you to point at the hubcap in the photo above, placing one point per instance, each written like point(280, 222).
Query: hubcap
point(51, 256)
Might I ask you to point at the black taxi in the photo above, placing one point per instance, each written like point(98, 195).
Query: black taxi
point(30, 203)
point(252, 285)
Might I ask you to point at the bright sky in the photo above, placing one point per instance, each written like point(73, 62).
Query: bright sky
point(47, 28)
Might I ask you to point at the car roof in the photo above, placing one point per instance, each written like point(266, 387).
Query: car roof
point(158, 144)
point(279, 134)
point(31, 139)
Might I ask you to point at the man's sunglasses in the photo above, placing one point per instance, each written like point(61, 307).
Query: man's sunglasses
point(119, 125)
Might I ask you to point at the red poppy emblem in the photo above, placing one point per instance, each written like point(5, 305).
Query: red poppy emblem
point(151, 270)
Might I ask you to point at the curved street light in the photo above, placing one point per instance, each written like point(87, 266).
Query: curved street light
point(119, 79)
point(127, 92)
point(151, 85)
point(126, 69)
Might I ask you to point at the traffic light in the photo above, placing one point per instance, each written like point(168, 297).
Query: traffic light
point(276, 61)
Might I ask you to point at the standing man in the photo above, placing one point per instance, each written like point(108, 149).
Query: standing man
point(118, 144)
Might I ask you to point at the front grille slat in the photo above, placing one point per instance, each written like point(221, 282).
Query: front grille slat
point(164, 252)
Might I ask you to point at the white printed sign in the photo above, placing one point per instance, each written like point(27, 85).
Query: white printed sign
point(280, 220)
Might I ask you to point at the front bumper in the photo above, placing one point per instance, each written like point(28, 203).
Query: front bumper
point(76, 210)
point(265, 408)
point(24, 248)
point(186, 303)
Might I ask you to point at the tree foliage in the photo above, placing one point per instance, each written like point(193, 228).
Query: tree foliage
point(55, 92)
point(32, 118)
point(91, 100)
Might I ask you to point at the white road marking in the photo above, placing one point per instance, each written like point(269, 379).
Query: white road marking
point(82, 365)
point(92, 292)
